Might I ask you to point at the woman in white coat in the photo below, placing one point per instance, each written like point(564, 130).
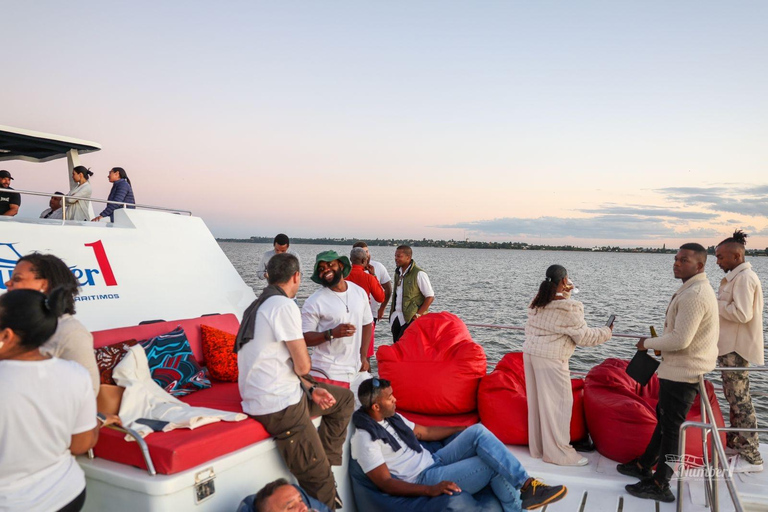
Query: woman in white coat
point(554, 328)
point(78, 208)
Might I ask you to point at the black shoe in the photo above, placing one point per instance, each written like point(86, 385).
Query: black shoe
point(633, 468)
point(535, 494)
point(585, 445)
point(651, 490)
point(337, 501)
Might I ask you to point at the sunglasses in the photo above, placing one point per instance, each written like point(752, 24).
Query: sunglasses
point(375, 384)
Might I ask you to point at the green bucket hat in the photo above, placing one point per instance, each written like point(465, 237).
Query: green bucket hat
point(329, 256)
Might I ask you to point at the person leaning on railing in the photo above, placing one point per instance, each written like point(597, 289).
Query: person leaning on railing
point(121, 192)
point(47, 410)
point(77, 206)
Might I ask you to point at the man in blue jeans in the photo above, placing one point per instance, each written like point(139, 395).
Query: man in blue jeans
point(387, 447)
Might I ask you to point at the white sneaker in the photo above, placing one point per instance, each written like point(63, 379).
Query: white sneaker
point(581, 462)
point(739, 464)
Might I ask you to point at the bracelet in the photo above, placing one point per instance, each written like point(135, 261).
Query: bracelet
point(329, 335)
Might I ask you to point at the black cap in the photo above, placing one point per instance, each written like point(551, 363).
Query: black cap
point(5, 174)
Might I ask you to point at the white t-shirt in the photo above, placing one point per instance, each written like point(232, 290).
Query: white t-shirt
point(265, 260)
point(383, 276)
point(425, 287)
point(406, 464)
point(325, 309)
point(43, 404)
point(266, 378)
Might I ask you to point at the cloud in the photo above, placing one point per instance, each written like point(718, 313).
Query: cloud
point(608, 227)
point(744, 200)
point(650, 211)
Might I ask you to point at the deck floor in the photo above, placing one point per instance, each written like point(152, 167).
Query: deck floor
point(599, 487)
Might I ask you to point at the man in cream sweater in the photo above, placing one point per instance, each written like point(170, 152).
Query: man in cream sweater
point(740, 301)
point(688, 349)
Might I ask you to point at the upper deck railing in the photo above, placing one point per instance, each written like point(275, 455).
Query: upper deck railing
point(97, 200)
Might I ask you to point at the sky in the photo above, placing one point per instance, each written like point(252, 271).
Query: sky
point(585, 123)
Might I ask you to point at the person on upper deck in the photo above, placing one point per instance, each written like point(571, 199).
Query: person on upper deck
point(9, 201)
point(274, 364)
point(688, 351)
point(54, 210)
point(740, 302)
point(337, 321)
point(364, 276)
point(378, 308)
point(71, 341)
point(554, 329)
point(121, 192)
point(77, 206)
point(387, 447)
point(280, 245)
point(413, 292)
point(47, 411)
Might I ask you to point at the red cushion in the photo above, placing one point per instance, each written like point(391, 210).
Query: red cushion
point(218, 350)
point(622, 415)
point(441, 420)
point(435, 368)
point(503, 402)
point(108, 356)
point(181, 449)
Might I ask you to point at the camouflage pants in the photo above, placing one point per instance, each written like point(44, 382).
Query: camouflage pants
point(736, 388)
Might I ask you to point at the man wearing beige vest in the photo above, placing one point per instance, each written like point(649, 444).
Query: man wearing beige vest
point(740, 301)
point(688, 350)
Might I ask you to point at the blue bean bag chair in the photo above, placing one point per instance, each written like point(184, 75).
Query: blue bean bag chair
point(368, 497)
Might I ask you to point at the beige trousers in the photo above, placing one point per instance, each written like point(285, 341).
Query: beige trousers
point(550, 402)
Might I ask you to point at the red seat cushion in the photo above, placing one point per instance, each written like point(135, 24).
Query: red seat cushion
point(436, 367)
point(503, 402)
point(622, 415)
point(179, 450)
point(441, 420)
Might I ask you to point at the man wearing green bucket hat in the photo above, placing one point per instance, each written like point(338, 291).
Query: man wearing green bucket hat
point(337, 320)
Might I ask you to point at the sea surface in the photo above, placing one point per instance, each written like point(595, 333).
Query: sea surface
point(491, 286)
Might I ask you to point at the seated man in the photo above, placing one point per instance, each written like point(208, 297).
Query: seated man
point(280, 496)
point(54, 210)
point(387, 448)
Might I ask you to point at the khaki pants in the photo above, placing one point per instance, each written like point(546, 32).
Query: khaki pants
point(550, 403)
point(742, 412)
point(309, 453)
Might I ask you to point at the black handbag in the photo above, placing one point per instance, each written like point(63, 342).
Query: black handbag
point(642, 367)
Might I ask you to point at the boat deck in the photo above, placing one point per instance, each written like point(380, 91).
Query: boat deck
point(599, 487)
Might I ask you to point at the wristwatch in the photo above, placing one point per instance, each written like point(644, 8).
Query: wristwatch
point(329, 335)
point(311, 390)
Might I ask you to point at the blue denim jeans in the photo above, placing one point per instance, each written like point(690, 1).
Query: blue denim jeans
point(475, 459)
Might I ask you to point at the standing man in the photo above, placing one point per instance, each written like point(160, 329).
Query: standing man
point(54, 210)
point(9, 201)
point(337, 320)
point(364, 276)
point(273, 364)
point(740, 302)
point(280, 245)
point(377, 307)
point(688, 350)
point(413, 292)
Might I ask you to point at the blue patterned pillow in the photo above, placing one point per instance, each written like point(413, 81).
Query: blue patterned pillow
point(173, 365)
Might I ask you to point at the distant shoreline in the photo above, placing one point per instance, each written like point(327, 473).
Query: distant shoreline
point(468, 244)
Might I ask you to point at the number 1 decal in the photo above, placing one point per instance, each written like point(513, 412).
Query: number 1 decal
point(103, 261)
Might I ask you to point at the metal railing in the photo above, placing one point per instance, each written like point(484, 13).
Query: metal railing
point(96, 200)
point(142, 444)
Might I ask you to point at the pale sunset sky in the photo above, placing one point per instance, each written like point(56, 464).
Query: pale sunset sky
point(586, 123)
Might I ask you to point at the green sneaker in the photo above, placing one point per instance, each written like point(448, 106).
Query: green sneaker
point(535, 494)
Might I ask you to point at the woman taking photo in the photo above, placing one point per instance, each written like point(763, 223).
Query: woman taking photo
point(554, 328)
point(121, 192)
point(47, 411)
point(72, 341)
point(77, 207)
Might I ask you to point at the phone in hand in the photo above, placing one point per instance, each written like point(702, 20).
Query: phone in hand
point(610, 321)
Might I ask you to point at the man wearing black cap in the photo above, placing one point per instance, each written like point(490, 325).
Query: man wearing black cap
point(337, 320)
point(9, 201)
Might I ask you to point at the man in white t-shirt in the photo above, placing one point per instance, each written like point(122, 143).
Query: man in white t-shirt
point(273, 364)
point(413, 292)
point(54, 210)
point(280, 244)
point(387, 447)
point(337, 320)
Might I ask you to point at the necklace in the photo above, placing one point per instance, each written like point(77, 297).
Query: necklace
point(345, 301)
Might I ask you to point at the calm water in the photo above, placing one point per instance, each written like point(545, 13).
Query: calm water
point(485, 286)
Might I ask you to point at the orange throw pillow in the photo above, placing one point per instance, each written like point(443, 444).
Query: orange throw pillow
point(219, 353)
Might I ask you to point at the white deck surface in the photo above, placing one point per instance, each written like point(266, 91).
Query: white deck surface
point(599, 487)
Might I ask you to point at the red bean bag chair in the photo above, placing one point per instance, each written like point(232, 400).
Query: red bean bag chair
point(503, 403)
point(435, 368)
point(621, 414)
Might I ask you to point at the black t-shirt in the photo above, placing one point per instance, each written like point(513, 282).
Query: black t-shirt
point(7, 199)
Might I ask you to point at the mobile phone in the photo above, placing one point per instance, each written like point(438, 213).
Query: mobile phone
point(610, 321)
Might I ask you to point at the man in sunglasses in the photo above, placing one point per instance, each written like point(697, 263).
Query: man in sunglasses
point(387, 447)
